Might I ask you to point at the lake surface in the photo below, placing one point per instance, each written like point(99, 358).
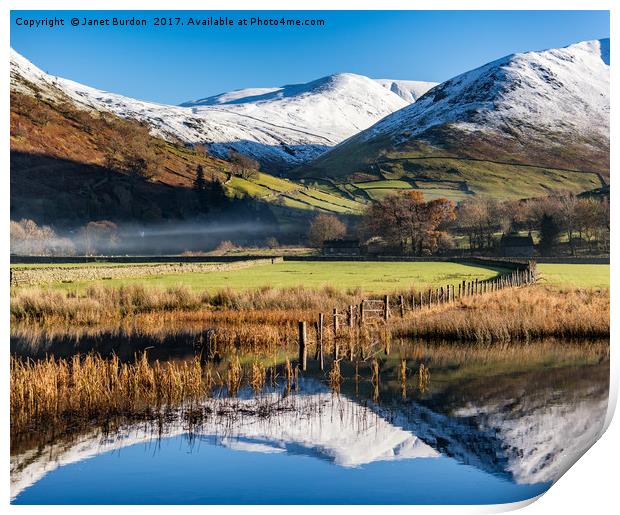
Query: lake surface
point(482, 431)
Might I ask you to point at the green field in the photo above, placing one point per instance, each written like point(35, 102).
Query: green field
point(575, 276)
point(372, 277)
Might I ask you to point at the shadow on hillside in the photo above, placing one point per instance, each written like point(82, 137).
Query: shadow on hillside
point(155, 217)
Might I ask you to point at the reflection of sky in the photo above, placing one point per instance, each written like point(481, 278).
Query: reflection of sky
point(173, 471)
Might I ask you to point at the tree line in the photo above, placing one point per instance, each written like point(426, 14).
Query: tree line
point(405, 223)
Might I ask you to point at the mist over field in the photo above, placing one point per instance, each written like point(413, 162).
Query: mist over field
point(107, 238)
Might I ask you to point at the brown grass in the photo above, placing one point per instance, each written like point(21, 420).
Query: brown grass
point(88, 387)
point(99, 303)
point(513, 314)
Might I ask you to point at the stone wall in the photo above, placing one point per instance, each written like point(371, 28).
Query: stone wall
point(58, 273)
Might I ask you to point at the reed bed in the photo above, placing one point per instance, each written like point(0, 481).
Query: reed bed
point(87, 387)
point(91, 388)
point(99, 302)
point(518, 314)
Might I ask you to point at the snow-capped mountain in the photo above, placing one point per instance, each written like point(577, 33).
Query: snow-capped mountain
point(281, 127)
point(548, 108)
point(409, 90)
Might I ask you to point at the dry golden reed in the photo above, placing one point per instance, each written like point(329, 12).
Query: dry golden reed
point(90, 387)
point(515, 314)
point(335, 377)
point(424, 377)
point(100, 302)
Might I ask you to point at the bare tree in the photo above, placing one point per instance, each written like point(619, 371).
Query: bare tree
point(405, 220)
point(100, 236)
point(29, 238)
point(325, 227)
point(242, 165)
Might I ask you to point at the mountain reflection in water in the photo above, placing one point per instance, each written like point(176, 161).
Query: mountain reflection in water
point(519, 428)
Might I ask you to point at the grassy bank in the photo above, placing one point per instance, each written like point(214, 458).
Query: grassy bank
point(515, 314)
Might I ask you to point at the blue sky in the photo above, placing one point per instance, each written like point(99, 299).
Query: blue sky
point(174, 64)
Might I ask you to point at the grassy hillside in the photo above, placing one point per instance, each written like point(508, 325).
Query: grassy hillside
point(455, 166)
point(70, 166)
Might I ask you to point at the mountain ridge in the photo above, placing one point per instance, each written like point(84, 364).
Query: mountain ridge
point(281, 128)
point(548, 109)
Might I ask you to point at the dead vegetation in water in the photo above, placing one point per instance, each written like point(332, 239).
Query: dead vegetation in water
point(88, 386)
point(261, 317)
point(513, 315)
point(91, 387)
point(99, 302)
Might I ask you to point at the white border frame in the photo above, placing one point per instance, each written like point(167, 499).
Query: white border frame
point(589, 485)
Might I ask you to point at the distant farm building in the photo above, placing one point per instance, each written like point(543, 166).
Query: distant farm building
point(341, 248)
point(512, 245)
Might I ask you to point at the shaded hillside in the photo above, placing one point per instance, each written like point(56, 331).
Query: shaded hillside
point(70, 166)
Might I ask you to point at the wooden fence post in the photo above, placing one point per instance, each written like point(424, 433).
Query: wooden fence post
point(386, 313)
point(402, 306)
point(303, 350)
point(351, 316)
point(335, 321)
point(362, 313)
point(430, 298)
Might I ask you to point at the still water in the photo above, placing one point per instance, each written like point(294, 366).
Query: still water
point(482, 432)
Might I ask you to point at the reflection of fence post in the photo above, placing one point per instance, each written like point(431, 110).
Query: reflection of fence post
point(335, 334)
point(317, 330)
point(303, 351)
point(320, 337)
